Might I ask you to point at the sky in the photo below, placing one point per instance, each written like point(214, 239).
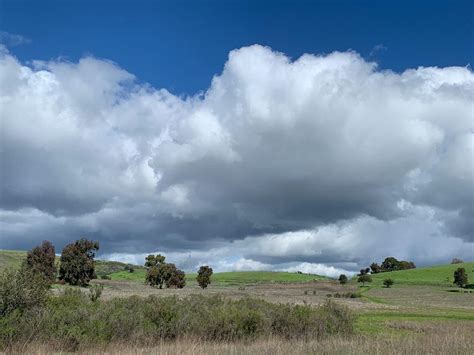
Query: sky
point(314, 136)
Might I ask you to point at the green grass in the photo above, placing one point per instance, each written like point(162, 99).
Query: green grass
point(11, 258)
point(441, 275)
point(255, 277)
point(236, 278)
point(14, 258)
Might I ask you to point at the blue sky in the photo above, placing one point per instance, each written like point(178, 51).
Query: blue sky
point(180, 45)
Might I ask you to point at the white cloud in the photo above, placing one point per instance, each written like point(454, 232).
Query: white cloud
point(322, 162)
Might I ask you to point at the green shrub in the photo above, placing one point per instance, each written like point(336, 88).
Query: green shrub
point(388, 283)
point(342, 279)
point(95, 291)
point(21, 290)
point(460, 277)
point(74, 322)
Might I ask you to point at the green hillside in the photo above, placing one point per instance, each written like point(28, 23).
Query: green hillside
point(11, 258)
point(235, 278)
point(14, 258)
point(441, 275)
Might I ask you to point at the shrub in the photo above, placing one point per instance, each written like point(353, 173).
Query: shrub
point(21, 290)
point(204, 276)
point(388, 283)
point(41, 260)
point(457, 261)
point(342, 279)
point(77, 262)
point(105, 277)
point(95, 291)
point(73, 322)
point(364, 278)
point(460, 277)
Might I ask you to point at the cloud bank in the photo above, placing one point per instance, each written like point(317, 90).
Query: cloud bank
point(321, 164)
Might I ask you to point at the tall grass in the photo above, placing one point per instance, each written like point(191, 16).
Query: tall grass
point(71, 321)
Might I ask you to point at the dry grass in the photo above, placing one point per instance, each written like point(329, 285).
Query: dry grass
point(457, 341)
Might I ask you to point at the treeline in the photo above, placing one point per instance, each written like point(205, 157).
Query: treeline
point(77, 266)
point(389, 264)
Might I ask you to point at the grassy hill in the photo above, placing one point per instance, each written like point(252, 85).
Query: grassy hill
point(11, 258)
point(441, 275)
point(235, 278)
point(14, 258)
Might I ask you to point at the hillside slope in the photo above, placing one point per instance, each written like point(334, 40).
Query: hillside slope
point(11, 258)
point(440, 275)
point(14, 258)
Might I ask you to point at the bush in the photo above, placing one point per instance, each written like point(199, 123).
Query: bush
point(21, 290)
point(388, 283)
point(457, 261)
point(73, 322)
point(105, 277)
point(460, 277)
point(204, 276)
point(342, 279)
point(77, 262)
point(42, 260)
point(95, 291)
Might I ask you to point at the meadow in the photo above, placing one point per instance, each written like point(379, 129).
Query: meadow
point(423, 312)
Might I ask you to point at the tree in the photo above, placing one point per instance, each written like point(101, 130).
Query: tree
point(342, 279)
point(375, 268)
point(388, 283)
point(406, 265)
point(390, 264)
point(155, 270)
point(154, 260)
point(364, 271)
point(77, 262)
point(460, 277)
point(364, 278)
point(159, 273)
point(204, 276)
point(456, 261)
point(174, 277)
point(41, 260)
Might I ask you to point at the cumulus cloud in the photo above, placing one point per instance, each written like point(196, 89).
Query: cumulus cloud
point(323, 163)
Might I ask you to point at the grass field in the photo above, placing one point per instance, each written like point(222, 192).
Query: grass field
point(236, 278)
point(11, 258)
point(418, 314)
point(441, 275)
point(14, 258)
point(116, 271)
